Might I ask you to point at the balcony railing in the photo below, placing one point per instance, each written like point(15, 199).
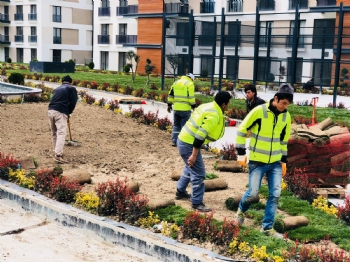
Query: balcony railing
point(57, 40)
point(326, 2)
point(18, 17)
point(4, 39)
point(231, 40)
point(18, 38)
point(32, 17)
point(206, 40)
point(104, 11)
point(263, 41)
point(234, 6)
point(32, 38)
point(4, 18)
point(103, 39)
point(303, 4)
point(301, 41)
point(176, 8)
point(266, 5)
point(57, 18)
point(126, 10)
point(126, 39)
point(207, 7)
point(8, 1)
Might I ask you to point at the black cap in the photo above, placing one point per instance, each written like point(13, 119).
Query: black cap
point(67, 79)
point(285, 89)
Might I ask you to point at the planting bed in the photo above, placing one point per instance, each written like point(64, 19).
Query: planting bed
point(112, 145)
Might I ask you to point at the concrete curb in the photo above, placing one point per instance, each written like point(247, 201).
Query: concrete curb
point(140, 240)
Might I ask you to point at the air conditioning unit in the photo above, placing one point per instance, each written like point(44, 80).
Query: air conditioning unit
point(183, 50)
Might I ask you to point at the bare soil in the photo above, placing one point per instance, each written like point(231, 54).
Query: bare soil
point(112, 145)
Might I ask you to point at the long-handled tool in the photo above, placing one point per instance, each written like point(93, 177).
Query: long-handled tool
point(71, 142)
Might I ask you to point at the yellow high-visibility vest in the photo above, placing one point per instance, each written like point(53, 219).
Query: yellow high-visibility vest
point(181, 94)
point(206, 123)
point(269, 134)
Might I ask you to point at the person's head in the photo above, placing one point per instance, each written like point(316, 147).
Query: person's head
point(67, 79)
point(222, 98)
point(250, 91)
point(190, 75)
point(283, 97)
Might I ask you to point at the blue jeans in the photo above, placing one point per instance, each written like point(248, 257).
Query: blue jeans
point(180, 119)
point(274, 179)
point(195, 174)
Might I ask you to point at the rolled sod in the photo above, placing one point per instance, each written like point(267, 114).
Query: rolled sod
point(80, 175)
point(133, 186)
point(160, 203)
point(288, 223)
point(232, 203)
point(229, 166)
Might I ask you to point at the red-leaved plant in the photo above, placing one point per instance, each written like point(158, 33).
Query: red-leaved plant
point(7, 162)
point(344, 210)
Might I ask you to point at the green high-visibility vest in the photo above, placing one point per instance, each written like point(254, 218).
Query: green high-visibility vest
point(181, 94)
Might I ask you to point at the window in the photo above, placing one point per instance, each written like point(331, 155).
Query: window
point(182, 34)
point(266, 5)
point(123, 3)
point(105, 29)
point(303, 4)
point(234, 34)
point(298, 69)
point(32, 38)
point(322, 72)
point(33, 54)
point(19, 13)
point(122, 61)
point(57, 36)
point(264, 26)
point(208, 34)
point(323, 33)
point(123, 29)
point(264, 68)
point(104, 60)
point(56, 14)
point(183, 65)
point(104, 37)
point(32, 14)
point(207, 6)
point(56, 56)
point(19, 34)
point(6, 9)
point(104, 3)
point(19, 52)
point(301, 34)
point(232, 67)
point(6, 53)
point(234, 5)
point(206, 65)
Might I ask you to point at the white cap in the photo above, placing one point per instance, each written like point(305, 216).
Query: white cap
point(191, 76)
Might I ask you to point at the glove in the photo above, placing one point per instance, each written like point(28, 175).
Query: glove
point(169, 109)
point(284, 168)
point(242, 160)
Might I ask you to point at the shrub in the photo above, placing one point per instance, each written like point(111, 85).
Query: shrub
point(128, 90)
point(91, 65)
point(16, 78)
point(163, 123)
point(88, 201)
point(344, 211)
point(303, 120)
point(113, 104)
point(102, 102)
point(154, 87)
point(270, 77)
point(70, 61)
point(236, 113)
point(31, 98)
point(18, 176)
point(7, 162)
point(116, 199)
point(137, 113)
point(127, 68)
point(9, 60)
point(228, 152)
point(204, 73)
point(139, 92)
point(149, 221)
point(149, 118)
point(89, 99)
point(63, 189)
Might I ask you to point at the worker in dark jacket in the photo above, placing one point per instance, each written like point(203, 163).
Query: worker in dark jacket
point(252, 99)
point(62, 104)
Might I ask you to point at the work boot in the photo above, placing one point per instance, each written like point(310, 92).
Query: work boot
point(271, 232)
point(240, 217)
point(181, 195)
point(201, 208)
point(59, 159)
point(173, 144)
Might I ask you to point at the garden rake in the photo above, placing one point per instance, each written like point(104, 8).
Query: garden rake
point(71, 142)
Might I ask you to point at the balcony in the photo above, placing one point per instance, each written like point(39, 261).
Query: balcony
point(32, 38)
point(326, 2)
point(19, 38)
point(8, 1)
point(207, 7)
point(266, 5)
point(126, 10)
point(57, 40)
point(4, 18)
point(4, 39)
point(103, 39)
point(104, 11)
point(301, 41)
point(126, 39)
point(234, 6)
point(32, 17)
point(176, 8)
point(206, 40)
point(303, 4)
point(18, 17)
point(57, 18)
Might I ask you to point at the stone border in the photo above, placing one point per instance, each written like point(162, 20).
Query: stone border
point(140, 240)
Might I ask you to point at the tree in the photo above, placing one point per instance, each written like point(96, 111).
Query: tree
point(174, 62)
point(148, 68)
point(134, 60)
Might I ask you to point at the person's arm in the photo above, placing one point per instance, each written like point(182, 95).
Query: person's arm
point(73, 98)
point(191, 97)
point(171, 95)
point(284, 139)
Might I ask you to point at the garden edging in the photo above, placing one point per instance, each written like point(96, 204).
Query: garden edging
point(116, 233)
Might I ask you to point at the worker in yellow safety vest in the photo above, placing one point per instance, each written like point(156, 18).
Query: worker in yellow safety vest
point(207, 124)
point(181, 94)
point(270, 126)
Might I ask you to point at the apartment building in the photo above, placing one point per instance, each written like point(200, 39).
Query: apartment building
point(50, 30)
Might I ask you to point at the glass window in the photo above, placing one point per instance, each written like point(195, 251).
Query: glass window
point(323, 35)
